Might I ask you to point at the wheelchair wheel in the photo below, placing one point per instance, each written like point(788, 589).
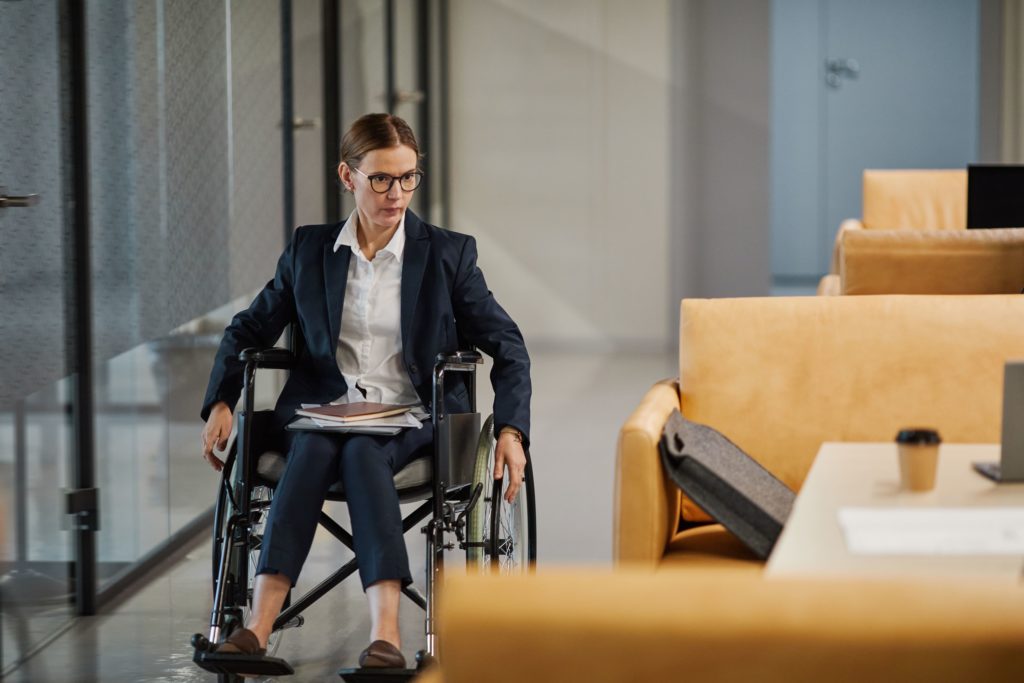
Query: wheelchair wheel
point(244, 554)
point(502, 536)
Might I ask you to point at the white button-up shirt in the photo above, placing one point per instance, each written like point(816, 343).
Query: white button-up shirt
point(370, 341)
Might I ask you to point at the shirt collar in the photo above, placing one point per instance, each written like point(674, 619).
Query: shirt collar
point(347, 237)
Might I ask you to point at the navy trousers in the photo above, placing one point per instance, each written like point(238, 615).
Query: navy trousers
point(366, 466)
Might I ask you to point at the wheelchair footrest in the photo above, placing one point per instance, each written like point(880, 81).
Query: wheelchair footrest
point(259, 665)
point(377, 675)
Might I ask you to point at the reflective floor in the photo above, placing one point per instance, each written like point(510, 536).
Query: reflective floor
point(580, 400)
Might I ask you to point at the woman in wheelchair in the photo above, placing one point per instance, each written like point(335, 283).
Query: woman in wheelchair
point(376, 299)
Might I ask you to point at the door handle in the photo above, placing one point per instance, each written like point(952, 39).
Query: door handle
point(838, 69)
point(409, 96)
point(15, 201)
point(299, 123)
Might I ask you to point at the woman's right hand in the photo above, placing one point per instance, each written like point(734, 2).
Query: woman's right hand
point(216, 432)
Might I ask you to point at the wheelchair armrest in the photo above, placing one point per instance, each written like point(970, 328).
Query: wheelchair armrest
point(268, 358)
point(458, 360)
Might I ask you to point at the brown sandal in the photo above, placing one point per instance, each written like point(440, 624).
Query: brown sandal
point(381, 655)
point(241, 642)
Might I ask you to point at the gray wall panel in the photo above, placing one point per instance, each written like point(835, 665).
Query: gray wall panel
point(32, 308)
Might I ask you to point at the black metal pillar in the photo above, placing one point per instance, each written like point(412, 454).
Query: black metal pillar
point(332, 103)
point(444, 144)
point(424, 16)
point(287, 122)
point(73, 26)
point(389, 55)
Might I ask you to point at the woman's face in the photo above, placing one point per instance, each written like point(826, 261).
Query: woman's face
point(382, 209)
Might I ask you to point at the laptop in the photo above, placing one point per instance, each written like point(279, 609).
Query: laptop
point(1011, 464)
point(995, 196)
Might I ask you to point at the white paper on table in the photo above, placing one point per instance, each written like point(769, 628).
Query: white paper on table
point(933, 531)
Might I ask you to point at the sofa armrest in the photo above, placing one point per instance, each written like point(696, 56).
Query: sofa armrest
point(431, 675)
point(848, 225)
point(646, 501)
point(830, 285)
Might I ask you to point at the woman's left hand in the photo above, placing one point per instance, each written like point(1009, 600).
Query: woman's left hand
point(509, 453)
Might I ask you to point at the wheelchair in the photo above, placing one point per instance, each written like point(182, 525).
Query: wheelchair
point(457, 494)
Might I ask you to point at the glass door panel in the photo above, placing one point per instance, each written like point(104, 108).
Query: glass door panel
point(382, 69)
point(35, 428)
point(186, 205)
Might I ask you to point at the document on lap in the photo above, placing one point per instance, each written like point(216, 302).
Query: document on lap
point(389, 420)
point(352, 412)
point(404, 420)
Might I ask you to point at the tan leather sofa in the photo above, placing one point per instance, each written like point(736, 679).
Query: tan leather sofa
point(904, 199)
point(628, 625)
point(931, 262)
point(780, 376)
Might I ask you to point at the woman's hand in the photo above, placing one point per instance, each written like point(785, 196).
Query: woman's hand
point(509, 453)
point(215, 434)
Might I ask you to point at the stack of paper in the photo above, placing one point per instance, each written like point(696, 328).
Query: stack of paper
point(406, 419)
point(388, 424)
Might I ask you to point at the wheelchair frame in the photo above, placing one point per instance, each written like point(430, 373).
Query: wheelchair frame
point(440, 505)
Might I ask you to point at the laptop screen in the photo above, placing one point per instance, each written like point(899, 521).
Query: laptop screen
point(995, 196)
point(1013, 425)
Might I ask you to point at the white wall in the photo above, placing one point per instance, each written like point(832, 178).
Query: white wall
point(560, 163)
point(611, 157)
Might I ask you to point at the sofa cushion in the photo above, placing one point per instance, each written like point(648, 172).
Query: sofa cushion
point(932, 261)
point(915, 199)
point(780, 376)
point(709, 545)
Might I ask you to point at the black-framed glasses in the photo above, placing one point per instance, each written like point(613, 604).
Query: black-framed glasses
point(382, 182)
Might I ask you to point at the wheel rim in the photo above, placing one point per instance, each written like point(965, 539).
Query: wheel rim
point(508, 531)
point(498, 531)
point(478, 517)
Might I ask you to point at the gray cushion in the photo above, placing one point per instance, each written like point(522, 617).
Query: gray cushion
point(410, 481)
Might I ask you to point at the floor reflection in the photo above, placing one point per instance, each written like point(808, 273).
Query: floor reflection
point(150, 480)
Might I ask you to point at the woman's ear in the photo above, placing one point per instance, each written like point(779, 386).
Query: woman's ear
point(345, 176)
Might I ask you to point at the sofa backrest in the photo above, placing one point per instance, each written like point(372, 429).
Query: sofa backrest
point(915, 199)
point(780, 376)
point(932, 261)
point(595, 626)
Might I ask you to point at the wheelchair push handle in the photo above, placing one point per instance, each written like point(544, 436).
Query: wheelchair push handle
point(460, 360)
point(276, 358)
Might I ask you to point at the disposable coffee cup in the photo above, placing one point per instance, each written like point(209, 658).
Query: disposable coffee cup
point(919, 458)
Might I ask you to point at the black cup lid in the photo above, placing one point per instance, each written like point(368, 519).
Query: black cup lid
point(918, 435)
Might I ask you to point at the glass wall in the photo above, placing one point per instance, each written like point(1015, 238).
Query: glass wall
point(187, 208)
point(186, 214)
point(36, 448)
point(187, 171)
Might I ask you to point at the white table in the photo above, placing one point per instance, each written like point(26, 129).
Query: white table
point(867, 475)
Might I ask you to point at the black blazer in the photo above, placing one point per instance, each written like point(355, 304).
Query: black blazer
point(445, 300)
